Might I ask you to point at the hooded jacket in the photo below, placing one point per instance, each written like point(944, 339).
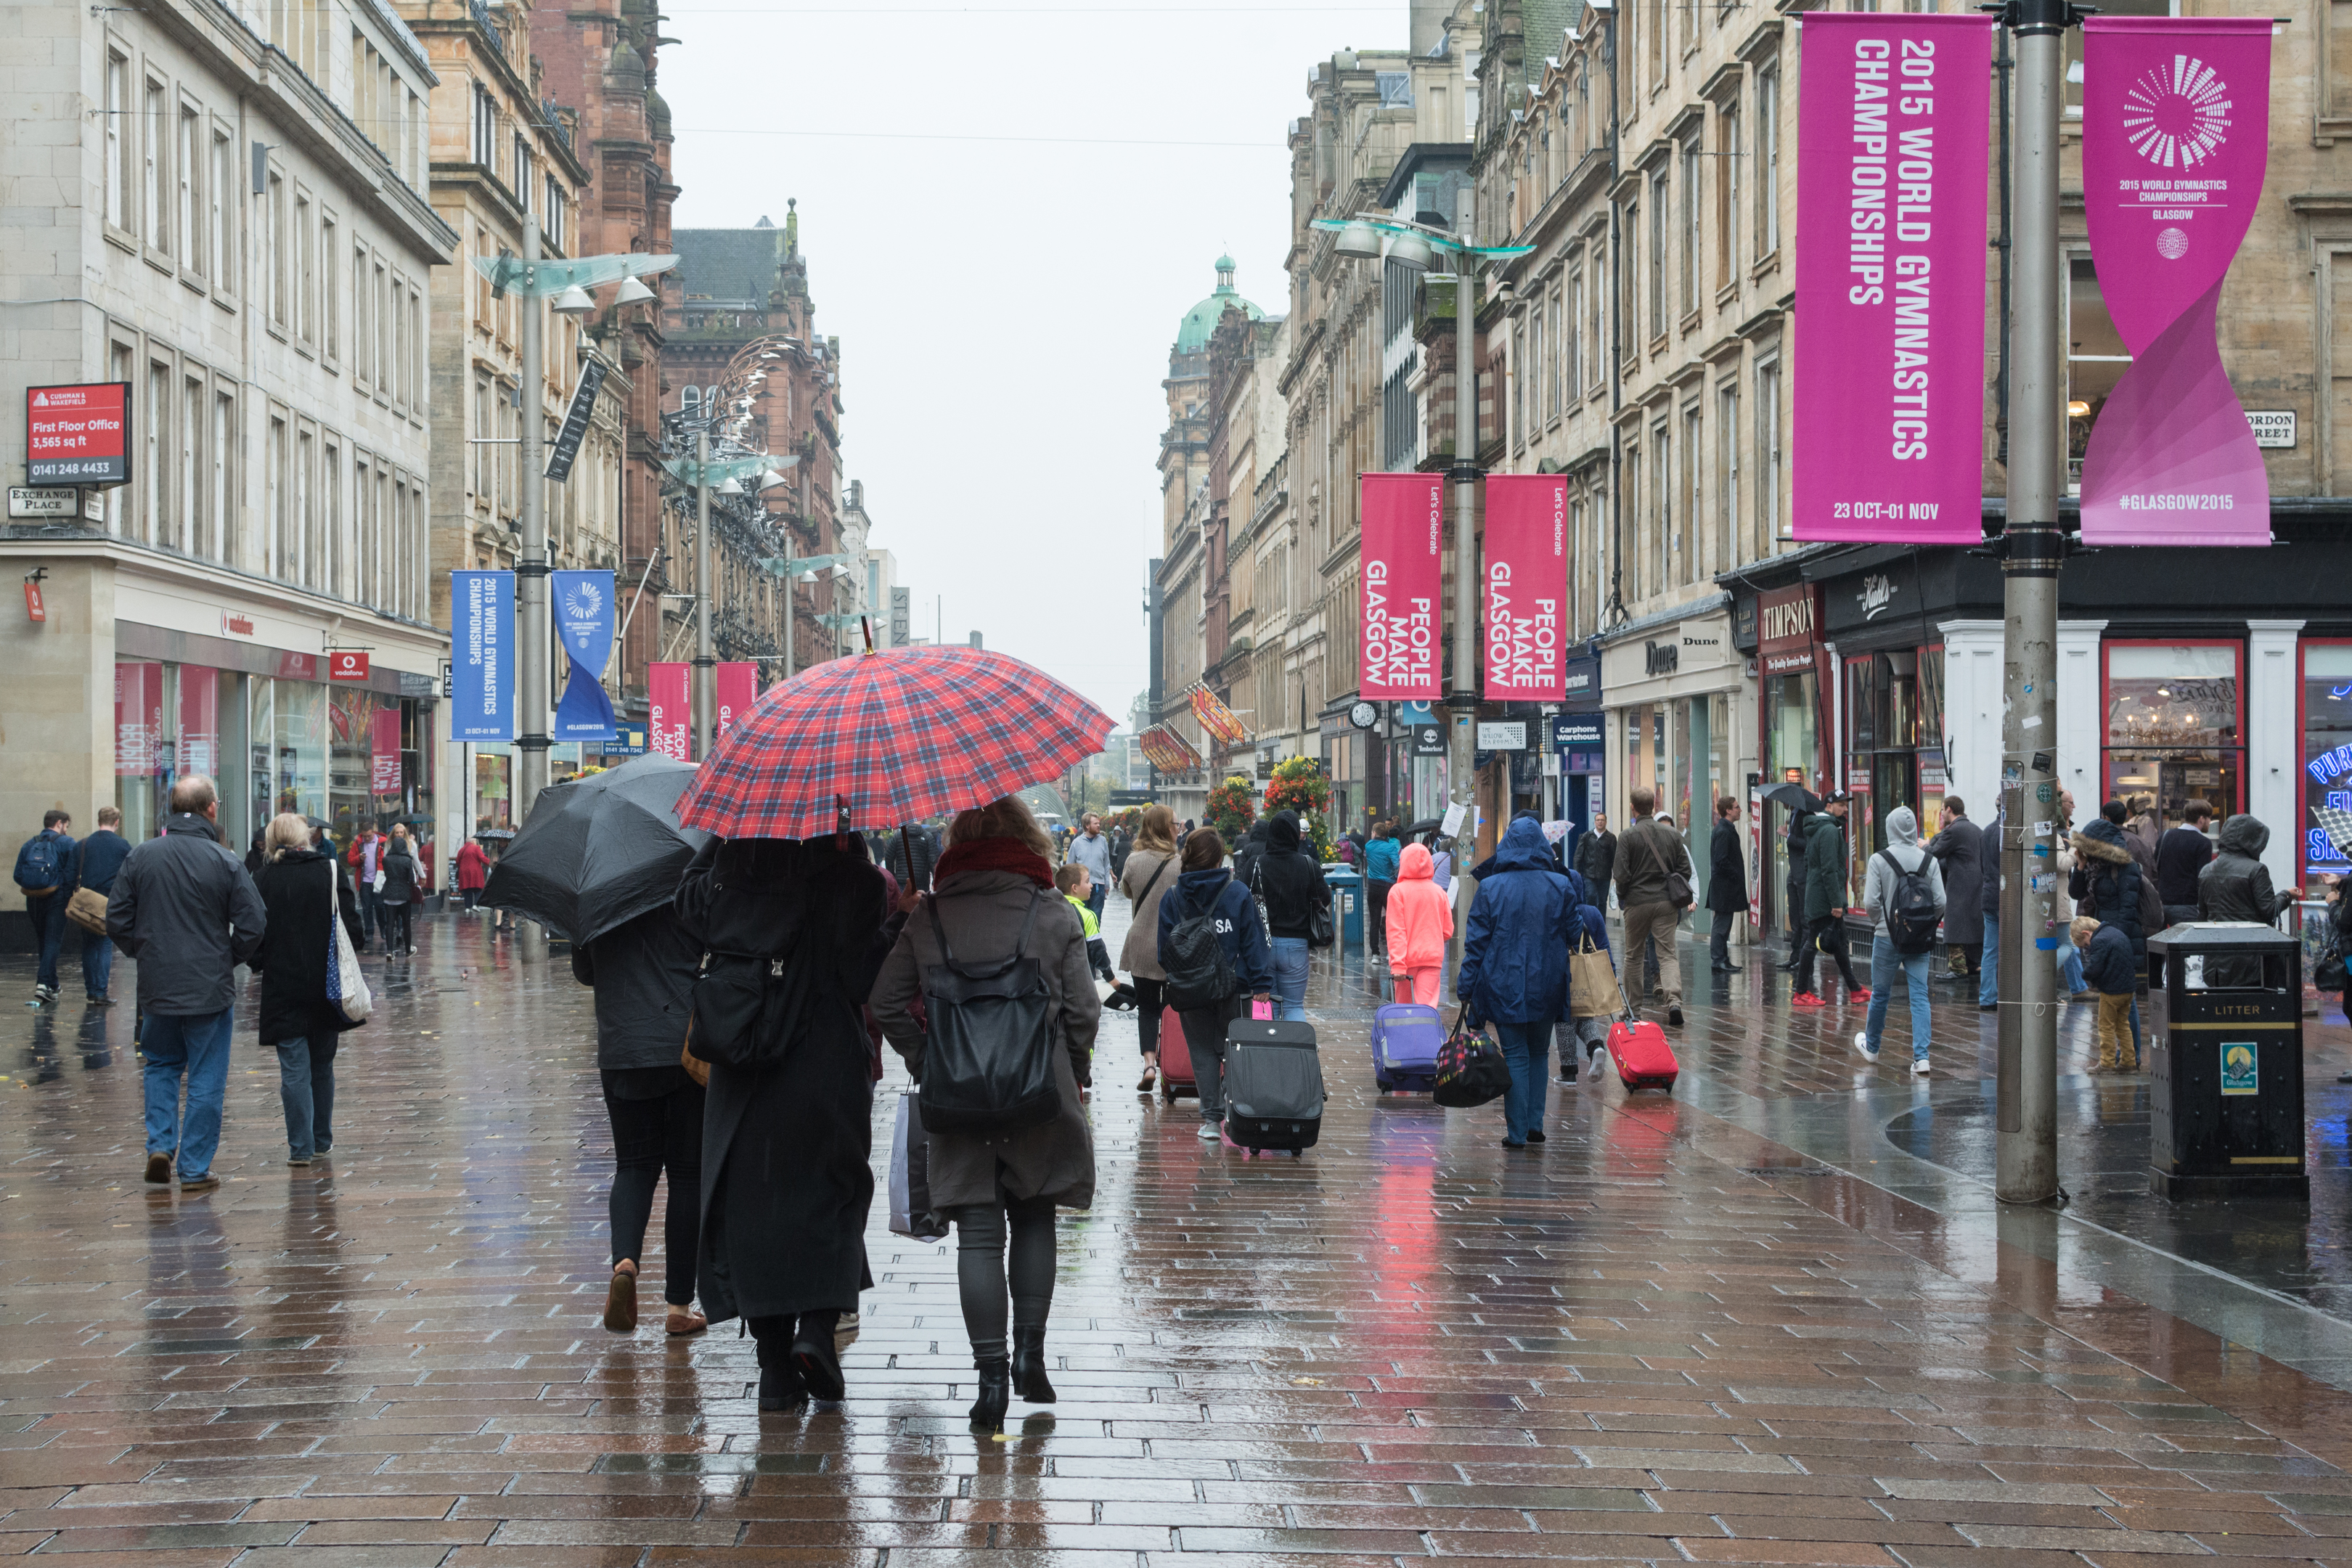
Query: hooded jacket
point(1825, 878)
point(1245, 941)
point(2237, 885)
point(186, 908)
point(2106, 881)
point(1420, 917)
point(1249, 851)
point(2109, 965)
point(643, 973)
point(1521, 926)
point(1903, 845)
point(1288, 879)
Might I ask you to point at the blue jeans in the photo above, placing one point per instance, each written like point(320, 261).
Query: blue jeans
point(197, 1048)
point(2070, 967)
point(306, 1087)
point(97, 963)
point(1884, 962)
point(49, 916)
point(1096, 899)
point(1527, 1049)
point(1989, 973)
point(1290, 977)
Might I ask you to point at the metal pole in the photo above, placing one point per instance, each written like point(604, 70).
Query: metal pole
point(2026, 1151)
point(1462, 692)
point(705, 664)
point(535, 631)
point(791, 588)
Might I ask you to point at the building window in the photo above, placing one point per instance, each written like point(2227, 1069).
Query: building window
point(187, 533)
point(1691, 236)
point(1629, 266)
point(485, 129)
point(1519, 379)
point(279, 285)
point(156, 526)
point(188, 171)
point(276, 550)
point(306, 267)
point(2175, 724)
point(155, 174)
point(555, 213)
point(1726, 477)
point(1550, 368)
point(1768, 161)
point(1727, 195)
point(221, 513)
point(1768, 455)
point(119, 129)
point(220, 198)
point(331, 299)
point(521, 183)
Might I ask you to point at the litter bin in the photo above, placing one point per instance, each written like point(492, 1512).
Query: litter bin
point(1348, 884)
point(2226, 1080)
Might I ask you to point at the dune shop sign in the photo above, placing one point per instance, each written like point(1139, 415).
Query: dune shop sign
point(2175, 128)
point(77, 435)
point(1526, 582)
point(1404, 572)
point(1891, 151)
point(1788, 628)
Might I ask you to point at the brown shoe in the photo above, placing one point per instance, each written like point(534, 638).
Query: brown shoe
point(621, 1302)
point(158, 1170)
point(199, 1186)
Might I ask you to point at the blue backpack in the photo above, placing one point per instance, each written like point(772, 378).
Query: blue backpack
point(40, 865)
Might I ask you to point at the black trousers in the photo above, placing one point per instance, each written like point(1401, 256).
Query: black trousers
point(1376, 907)
point(652, 1137)
point(1719, 942)
point(1148, 1007)
point(982, 1278)
point(1826, 934)
point(396, 936)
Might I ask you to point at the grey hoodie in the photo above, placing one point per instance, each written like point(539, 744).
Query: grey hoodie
point(1903, 845)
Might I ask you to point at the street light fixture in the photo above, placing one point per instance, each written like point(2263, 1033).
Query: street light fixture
point(1422, 244)
point(632, 293)
point(565, 284)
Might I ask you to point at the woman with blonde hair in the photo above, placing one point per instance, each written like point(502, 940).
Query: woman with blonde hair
point(992, 900)
point(297, 886)
point(1149, 872)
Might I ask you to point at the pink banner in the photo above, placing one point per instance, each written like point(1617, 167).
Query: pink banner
point(739, 688)
point(1404, 574)
point(1892, 139)
point(2176, 122)
point(669, 719)
point(1526, 583)
point(383, 751)
point(138, 718)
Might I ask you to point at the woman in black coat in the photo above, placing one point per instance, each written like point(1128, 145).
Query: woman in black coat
point(403, 887)
point(642, 971)
point(786, 1177)
point(299, 885)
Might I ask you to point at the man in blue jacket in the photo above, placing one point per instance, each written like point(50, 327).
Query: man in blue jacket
point(1514, 973)
point(44, 874)
point(101, 856)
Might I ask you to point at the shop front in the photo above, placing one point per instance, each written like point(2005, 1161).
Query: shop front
point(1675, 720)
point(1579, 757)
point(1793, 726)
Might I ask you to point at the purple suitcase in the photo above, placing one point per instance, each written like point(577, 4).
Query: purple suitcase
point(1406, 1039)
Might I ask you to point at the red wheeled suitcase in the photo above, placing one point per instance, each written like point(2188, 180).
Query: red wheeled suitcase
point(1644, 1059)
point(1175, 1059)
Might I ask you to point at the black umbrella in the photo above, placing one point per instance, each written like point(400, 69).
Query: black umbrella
point(1793, 794)
point(598, 852)
point(1426, 825)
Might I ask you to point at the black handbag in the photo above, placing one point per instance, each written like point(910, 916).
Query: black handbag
point(1321, 930)
point(988, 1058)
point(1470, 1070)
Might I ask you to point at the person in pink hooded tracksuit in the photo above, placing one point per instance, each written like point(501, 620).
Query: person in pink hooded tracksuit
point(1421, 922)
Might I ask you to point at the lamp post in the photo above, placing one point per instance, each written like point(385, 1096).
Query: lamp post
point(565, 285)
point(1373, 238)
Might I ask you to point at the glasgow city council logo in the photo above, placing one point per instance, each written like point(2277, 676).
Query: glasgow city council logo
point(2177, 117)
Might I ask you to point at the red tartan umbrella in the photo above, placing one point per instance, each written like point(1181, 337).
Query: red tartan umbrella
point(899, 735)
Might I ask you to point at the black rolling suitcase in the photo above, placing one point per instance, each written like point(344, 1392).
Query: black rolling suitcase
point(1274, 1085)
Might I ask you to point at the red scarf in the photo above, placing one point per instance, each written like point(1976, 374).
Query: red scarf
point(994, 854)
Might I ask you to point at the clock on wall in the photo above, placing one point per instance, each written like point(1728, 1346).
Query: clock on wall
point(1364, 715)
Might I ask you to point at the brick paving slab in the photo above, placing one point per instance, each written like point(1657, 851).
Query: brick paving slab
point(1688, 1330)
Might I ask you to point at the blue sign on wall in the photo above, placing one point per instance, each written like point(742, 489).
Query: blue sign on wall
point(583, 619)
point(481, 655)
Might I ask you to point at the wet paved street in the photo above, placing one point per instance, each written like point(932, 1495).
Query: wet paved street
point(1774, 1319)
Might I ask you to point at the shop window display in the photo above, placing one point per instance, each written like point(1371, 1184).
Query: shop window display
point(2174, 725)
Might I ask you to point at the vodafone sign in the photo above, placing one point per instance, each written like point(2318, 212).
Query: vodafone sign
point(342, 664)
point(77, 435)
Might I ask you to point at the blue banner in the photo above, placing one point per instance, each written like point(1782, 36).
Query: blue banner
point(583, 620)
point(481, 656)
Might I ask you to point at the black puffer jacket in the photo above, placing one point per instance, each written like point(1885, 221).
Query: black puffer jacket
point(643, 973)
point(2236, 885)
point(2107, 881)
point(1288, 879)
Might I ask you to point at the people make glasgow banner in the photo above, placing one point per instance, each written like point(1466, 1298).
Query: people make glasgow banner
point(481, 656)
point(583, 620)
point(2176, 125)
point(1404, 574)
point(1527, 585)
point(1893, 136)
point(669, 714)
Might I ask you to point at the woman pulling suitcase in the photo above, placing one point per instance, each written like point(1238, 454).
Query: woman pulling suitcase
point(1215, 952)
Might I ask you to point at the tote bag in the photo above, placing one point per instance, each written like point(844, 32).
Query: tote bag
point(1591, 982)
point(347, 988)
point(911, 1214)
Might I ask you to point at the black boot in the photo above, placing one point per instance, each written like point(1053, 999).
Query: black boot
point(815, 1359)
point(780, 1388)
point(1029, 1366)
point(995, 1393)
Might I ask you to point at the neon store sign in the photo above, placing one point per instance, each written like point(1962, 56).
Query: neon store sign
point(2326, 770)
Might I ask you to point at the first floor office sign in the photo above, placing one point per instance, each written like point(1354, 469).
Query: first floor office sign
point(1404, 574)
point(2175, 131)
point(481, 613)
point(1893, 134)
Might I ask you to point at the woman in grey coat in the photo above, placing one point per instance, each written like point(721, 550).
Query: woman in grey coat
point(1149, 872)
point(991, 882)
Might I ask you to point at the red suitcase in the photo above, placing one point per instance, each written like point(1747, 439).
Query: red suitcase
point(1175, 1061)
point(1644, 1059)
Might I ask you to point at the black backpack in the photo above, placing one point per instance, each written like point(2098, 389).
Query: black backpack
point(1198, 972)
point(1911, 913)
point(988, 1060)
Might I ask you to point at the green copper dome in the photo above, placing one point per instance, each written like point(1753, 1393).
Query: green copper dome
point(1201, 321)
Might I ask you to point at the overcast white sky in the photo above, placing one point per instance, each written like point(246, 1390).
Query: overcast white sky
point(1006, 306)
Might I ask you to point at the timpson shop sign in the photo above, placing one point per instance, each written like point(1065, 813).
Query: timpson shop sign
point(1788, 629)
